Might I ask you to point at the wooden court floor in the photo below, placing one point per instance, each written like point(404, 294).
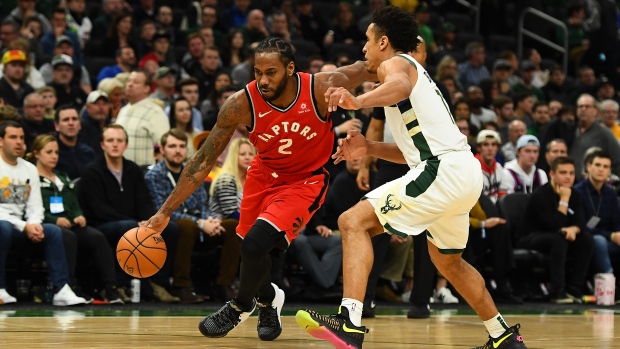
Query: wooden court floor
point(74, 329)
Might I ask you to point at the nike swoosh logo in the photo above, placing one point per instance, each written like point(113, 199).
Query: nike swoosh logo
point(499, 342)
point(350, 330)
point(315, 182)
point(260, 115)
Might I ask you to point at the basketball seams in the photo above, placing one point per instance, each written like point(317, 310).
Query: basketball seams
point(139, 259)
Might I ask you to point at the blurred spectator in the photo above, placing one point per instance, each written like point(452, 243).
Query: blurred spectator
point(479, 113)
point(600, 211)
point(490, 90)
point(557, 88)
point(554, 108)
point(524, 102)
point(188, 89)
point(195, 48)
point(233, 51)
point(423, 16)
point(109, 10)
point(451, 84)
point(210, 20)
point(447, 66)
point(541, 118)
point(208, 36)
point(34, 122)
point(554, 149)
point(9, 31)
point(605, 90)
point(7, 113)
point(512, 58)
point(279, 26)
point(577, 39)
point(145, 9)
point(144, 44)
point(114, 198)
point(31, 29)
point(222, 80)
point(50, 39)
point(73, 154)
point(254, 30)
point(90, 244)
point(165, 86)
point(164, 20)
point(312, 27)
point(555, 227)
point(161, 49)
point(205, 71)
point(13, 85)
point(516, 129)
point(125, 62)
point(119, 35)
point(447, 41)
point(601, 24)
point(180, 117)
point(81, 76)
point(33, 76)
point(236, 15)
point(586, 83)
point(114, 89)
point(592, 134)
point(143, 120)
point(193, 218)
point(211, 117)
point(521, 174)
point(344, 29)
point(473, 71)
point(540, 77)
point(78, 21)
point(22, 201)
point(25, 9)
point(243, 72)
point(504, 109)
point(495, 183)
point(67, 92)
point(95, 117)
point(149, 64)
point(501, 72)
point(609, 116)
point(462, 112)
point(526, 84)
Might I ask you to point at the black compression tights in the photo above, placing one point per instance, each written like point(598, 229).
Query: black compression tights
point(257, 250)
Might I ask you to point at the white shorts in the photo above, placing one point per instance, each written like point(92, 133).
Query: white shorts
point(435, 197)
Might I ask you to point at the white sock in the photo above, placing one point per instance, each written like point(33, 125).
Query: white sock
point(496, 326)
point(355, 310)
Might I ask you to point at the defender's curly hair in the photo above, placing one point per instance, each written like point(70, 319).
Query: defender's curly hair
point(398, 25)
point(281, 47)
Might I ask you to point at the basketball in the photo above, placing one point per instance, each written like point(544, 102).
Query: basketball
point(141, 252)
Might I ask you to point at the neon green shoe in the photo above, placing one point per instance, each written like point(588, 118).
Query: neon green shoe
point(337, 329)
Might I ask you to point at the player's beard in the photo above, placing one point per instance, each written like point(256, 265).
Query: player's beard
point(278, 91)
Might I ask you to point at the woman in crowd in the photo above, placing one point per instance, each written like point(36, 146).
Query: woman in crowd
point(114, 88)
point(233, 51)
point(62, 208)
point(119, 35)
point(181, 117)
point(222, 80)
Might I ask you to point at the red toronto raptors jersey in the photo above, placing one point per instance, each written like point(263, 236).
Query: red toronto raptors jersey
point(291, 140)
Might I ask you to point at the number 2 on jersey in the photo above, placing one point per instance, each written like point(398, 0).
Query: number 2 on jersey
point(287, 143)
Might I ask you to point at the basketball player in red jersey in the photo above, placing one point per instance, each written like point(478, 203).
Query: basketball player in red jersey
point(287, 116)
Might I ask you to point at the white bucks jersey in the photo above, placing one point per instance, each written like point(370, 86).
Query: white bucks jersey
point(422, 125)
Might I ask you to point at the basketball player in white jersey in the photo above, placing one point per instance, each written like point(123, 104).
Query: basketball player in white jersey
point(433, 198)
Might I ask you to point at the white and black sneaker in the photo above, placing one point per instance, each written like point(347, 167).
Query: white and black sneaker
point(224, 320)
point(66, 297)
point(269, 323)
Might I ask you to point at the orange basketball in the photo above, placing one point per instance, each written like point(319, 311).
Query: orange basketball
point(141, 252)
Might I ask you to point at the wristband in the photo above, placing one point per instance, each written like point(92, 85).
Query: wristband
point(336, 130)
point(563, 203)
point(484, 232)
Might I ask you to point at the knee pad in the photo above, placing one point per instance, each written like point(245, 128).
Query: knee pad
point(260, 240)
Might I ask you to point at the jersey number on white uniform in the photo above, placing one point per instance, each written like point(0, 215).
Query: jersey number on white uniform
point(440, 96)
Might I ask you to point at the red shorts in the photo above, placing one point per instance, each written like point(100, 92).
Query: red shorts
point(287, 202)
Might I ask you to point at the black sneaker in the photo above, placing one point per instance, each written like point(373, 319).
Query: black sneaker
point(337, 329)
point(511, 339)
point(269, 323)
point(224, 320)
point(113, 296)
point(419, 312)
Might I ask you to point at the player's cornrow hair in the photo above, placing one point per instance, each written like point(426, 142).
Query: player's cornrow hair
point(276, 44)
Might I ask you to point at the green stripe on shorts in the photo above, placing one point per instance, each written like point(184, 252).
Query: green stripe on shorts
point(450, 250)
point(424, 180)
point(390, 229)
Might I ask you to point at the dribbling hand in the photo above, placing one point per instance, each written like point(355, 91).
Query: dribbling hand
point(351, 147)
point(158, 222)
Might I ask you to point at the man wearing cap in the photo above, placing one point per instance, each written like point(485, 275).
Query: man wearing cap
point(423, 16)
point(473, 71)
point(448, 36)
point(590, 133)
point(73, 155)
point(605, 90)
point(62, 81)
point(527, 79)
point(95, 117)
point(161, 50)
point(521, 174)
point(125, 61)
point(501, 72)
point(495, 185)
point(165, 86)
point(59, 24)
point(13, 87)
point(81, 77)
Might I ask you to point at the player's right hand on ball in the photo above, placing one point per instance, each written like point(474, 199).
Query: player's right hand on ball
point(158, 222)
